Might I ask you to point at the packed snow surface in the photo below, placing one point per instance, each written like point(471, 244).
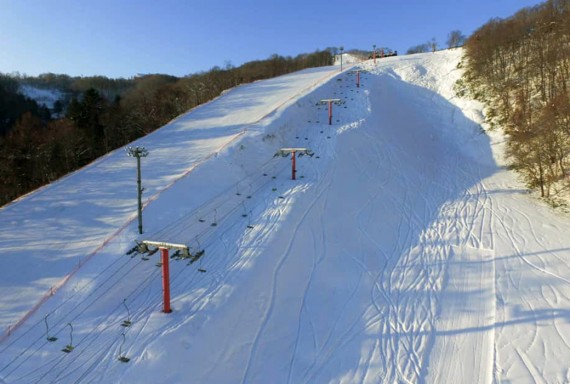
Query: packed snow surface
point(404, 251)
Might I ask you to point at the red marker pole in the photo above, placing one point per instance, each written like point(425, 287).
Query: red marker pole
point(165, 279)
point(330, 112)
point(293, 170)
point(357, 79)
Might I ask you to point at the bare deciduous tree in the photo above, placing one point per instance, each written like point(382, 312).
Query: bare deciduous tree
point(455, 39)
point(520, 68)
point(421, 48)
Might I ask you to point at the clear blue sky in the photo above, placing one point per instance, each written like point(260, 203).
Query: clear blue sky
point(123, 38)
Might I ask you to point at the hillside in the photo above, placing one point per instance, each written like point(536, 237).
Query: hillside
point(403, 252)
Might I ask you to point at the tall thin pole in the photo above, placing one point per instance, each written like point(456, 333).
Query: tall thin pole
point(165, 280)
point(294, 170)
point(330, 112)
point(139, 193)
point(138, 152)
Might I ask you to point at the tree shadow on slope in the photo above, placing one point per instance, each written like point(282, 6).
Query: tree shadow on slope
point(412, 176)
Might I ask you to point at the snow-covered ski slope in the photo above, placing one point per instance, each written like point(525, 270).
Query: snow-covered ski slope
point(48, 233)
point(404, 252)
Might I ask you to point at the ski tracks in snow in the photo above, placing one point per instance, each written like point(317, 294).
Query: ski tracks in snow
point(531, 297)
point(428, 216)
point(392, 261)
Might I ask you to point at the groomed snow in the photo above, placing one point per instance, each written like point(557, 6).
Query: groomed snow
point(404, 252)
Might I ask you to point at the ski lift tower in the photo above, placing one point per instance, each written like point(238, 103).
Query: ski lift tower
point(330, 103)
point(164, 247)
point(357, 71)
point(284, 152)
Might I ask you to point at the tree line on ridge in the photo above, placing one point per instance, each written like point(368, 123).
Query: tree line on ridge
point(98, 115)
point(520, 68)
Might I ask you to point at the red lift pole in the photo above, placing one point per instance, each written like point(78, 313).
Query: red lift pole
point(330, 103)
point(165, 280)
point(293, 151)
point(358, 71)
point(164, 247)
point(293, 169)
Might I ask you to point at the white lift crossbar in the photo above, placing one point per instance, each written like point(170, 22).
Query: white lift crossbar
point(286, 151)
point(326, 101)
point(160, 244)
point(184, 249)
